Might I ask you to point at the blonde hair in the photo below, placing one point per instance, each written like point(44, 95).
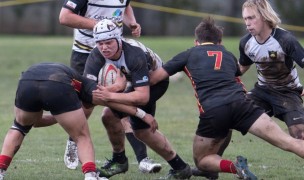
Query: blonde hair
point(266, 11)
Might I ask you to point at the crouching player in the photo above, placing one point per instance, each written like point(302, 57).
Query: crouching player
point(62, 91)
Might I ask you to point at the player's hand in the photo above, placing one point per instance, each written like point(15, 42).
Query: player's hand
point(149, 119)
point(136, 29)
point(102, 93)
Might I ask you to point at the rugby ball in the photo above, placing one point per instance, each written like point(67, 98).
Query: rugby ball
point(107, 75)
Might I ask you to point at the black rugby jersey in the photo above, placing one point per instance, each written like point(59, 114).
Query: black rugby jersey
point(274, 59)
point(63, 74)
point(133, 63)
point(212, 71)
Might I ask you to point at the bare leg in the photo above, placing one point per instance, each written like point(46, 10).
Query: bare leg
point(268, 130)
point(115, 130)
point(138, 146)
point(156, 141)
point(126, 124)
point(46, 120)
point(75, 124)
point(205, 153)
point(49, 120)
point(14, 138)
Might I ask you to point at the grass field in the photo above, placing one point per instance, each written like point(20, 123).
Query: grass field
point(41, 155)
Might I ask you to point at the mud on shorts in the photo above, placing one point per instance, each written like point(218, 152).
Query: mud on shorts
point(238, 115)
point(284, 104)
point(58, 98)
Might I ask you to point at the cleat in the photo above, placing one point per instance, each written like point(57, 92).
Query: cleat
point(112, 168)
point(242, 169)
point(71, 159)
point(206, 174)
point(147, 165)
point(185, 173)
point(94, 176)
point(2, 173)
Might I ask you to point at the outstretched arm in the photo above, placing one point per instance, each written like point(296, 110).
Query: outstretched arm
point(158, 75)
point(70, 19)
point(131, 110)
point(130, 21)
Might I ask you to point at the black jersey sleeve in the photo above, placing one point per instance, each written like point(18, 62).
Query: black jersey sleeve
point(137, 63)
point(93, 65)
point(86, 90)
point(292, 48)
point(244, 59)
point(177, 63)
point(76, 6)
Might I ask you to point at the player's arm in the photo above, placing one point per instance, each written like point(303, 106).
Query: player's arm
point(243, 69)
point(140, 95)
point(158, 75)
point(73, 20)
point(130, 21)
point(131, 110)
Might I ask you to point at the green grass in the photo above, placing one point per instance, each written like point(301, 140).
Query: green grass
point(41, 154)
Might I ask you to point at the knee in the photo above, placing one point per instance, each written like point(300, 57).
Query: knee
point(139, 134)
point(106, 116)
point(297, 131)
point(22, 129)
point(201, 164)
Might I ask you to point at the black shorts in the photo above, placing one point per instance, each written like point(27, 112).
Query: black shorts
point(56, 97)
point(78, 61)
point(284, 104)
point(238, 115)
point(156, 92)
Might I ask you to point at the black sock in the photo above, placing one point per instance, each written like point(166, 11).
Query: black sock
point(119, 157)
point(177, 163)
point(138, 147)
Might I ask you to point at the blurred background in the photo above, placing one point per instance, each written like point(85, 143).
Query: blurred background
point(157, 17)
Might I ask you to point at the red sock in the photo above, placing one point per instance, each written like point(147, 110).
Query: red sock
point(227, 166)
point(88, 167)
point(5, 161)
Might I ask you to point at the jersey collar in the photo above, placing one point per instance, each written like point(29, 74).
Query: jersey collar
point(207, 43)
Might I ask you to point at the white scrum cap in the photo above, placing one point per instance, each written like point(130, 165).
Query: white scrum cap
point(105, 30)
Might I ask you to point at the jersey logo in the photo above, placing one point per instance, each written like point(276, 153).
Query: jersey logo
point(71, 4)
point(121, 1)
point(117, 13)
point(273, 54)
point(143, 80)
point(76, 84)
point(251, 55)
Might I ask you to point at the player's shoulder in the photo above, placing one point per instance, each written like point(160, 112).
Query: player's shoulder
point(244, 39)
point(130, 49)
point(283, 36)
point(95, 54)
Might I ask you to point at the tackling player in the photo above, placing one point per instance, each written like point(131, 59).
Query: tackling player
point(62, 91)
point(214, 73)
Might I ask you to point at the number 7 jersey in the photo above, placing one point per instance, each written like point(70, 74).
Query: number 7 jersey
point(212, 71)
